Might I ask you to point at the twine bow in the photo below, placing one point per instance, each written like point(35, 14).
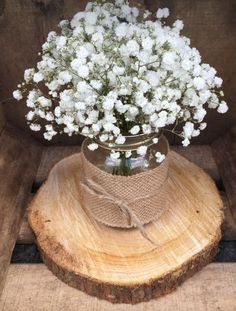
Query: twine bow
point(100, 192)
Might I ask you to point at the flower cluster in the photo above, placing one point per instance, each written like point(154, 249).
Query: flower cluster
point(111, 72)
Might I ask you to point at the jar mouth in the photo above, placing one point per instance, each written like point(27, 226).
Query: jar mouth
point(132, 142)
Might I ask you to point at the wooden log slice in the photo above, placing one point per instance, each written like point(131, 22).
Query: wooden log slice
point(120, 265)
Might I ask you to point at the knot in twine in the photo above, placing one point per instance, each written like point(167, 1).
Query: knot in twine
point(95, 189)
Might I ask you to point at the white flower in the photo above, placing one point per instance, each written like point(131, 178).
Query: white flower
point(44, 102)
point(199, 83)
point(153, 78)
point(30, 115)
point(17, 95)
point(162, 13)
point(116, 130)
point(48, 135)
point(91, 18)
point(133, 111)
point(110, 100)
point(178, 24)
point(93, 146)
point(103, 137)
point(185, 142)
point(115, 155)
point(120, 140)
point(126, 9)
point(132, 47)
point(77, 63)
point(186, 64)
point(61, 41)
point(218, 81)
point(96, 84)
point(202, 126)
point(223, 107)
point(97, 37)
point(108, 73)
point(57, 111)
point(49, 116)
point(195, 133)
point(38, 76)
point(121, 30)
point(159, 157)
point(108, 104)
point(118, 70)
point(96, 127)
point(64, 77)
point(53, 85)
point(147, 129)
point(188, 129)
point(83, 71)
point(147, 43)
point(83, 52)
point(99, 59)
point(108, 126)
point(142, 150)
point(28, 74)
point(35, 127)
point(169, 58)
point(128, 154)
point(155, 140)
point(200, 114)
point(135, 130)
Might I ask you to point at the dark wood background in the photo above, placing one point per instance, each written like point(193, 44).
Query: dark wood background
point(24, 24)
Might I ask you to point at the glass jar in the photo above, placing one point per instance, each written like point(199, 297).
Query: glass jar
point(126, 159)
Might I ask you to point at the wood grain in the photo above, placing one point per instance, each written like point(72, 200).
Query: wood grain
point(2, 119)
point(50, 156)
point(200, 155)
point(107, 262)
point(19, 158)
point(224, 151)
point(34, 287)
point(26, 235)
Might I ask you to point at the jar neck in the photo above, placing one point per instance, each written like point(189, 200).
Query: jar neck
point(131, 142)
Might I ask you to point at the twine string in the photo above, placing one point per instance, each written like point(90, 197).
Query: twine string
point(96, 189)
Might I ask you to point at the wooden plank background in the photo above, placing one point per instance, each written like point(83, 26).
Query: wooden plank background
point(24, 24)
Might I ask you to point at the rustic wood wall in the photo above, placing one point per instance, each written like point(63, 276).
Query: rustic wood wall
point(24, 25)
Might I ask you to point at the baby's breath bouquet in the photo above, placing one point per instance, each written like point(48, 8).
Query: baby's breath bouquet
point(113, 72)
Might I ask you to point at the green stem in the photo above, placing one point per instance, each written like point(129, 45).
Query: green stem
point(124, 168)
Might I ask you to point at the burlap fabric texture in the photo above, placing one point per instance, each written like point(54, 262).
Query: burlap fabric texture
point(124, 201)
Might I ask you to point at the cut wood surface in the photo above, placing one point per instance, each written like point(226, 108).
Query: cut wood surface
point(26, 235)
point(19, 159)
point(34, 287)
point(120, 265)
point(200, 155)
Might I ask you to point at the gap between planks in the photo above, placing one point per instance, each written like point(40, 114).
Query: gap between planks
point(34, 287)
point(199, 154)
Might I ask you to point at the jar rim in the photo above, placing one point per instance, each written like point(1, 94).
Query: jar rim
point(129, 145)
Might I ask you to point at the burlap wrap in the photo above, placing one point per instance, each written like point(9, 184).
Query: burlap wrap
point(124, 201)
